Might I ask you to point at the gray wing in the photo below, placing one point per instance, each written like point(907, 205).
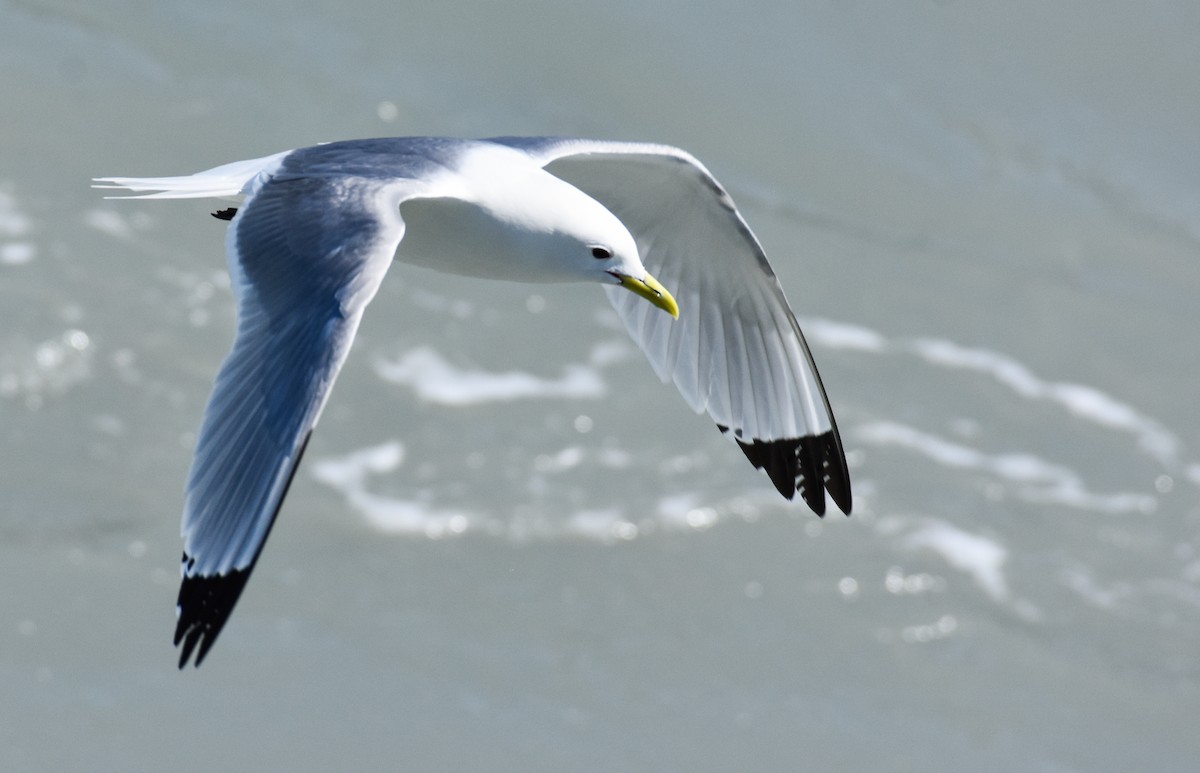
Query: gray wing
point(736, 350)
point(306, 254)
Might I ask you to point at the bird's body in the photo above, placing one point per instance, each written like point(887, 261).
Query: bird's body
point(319, 227)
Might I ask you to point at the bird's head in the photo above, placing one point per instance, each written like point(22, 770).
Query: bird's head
point(543, 229)
point(600, 246)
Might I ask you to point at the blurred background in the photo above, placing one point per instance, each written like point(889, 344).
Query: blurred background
point(512, 549)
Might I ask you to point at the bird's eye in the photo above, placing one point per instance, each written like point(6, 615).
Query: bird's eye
point(601, 253)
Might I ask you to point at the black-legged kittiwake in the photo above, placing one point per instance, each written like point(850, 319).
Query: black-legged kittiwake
point(318, 227)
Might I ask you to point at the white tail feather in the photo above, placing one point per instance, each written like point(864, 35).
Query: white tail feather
point(228, 180)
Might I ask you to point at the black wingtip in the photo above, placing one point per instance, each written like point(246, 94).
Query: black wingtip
point(834, 472)
point(811, 465)
point(205, 603)
point(225, 214)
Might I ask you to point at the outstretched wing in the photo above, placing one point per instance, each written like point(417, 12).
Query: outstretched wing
point(736, 350)
point(306, 255)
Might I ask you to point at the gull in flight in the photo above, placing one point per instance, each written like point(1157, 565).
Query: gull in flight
point(317, 228)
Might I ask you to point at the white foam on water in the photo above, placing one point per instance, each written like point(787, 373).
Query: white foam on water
point(392, 515)
point(15, 250)
point(348, 474)
point(344, 472)
point(979, 557)
point(13, 222)
point(1083, 402)
point(605, 525)
point(843, 335)
point(1080, 400)
point(436, 380)
point(17, 253)
point(1035, 479)
point(1002, 368)
point(1026, 475)
point(1047, 482)
point(566, 459)
point(1090, 589)
point(685, 512)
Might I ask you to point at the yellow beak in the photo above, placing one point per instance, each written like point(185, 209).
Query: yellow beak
point(649, 288)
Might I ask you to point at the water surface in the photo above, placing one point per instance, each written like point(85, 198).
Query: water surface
point(510, 550)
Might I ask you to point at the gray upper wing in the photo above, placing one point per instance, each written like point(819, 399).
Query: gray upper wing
point(306, 255)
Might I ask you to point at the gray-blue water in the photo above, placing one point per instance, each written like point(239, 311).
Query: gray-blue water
point(515, 550)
